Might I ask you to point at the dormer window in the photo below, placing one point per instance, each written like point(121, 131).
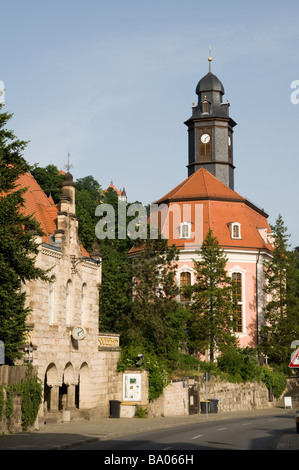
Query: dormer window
point(185, 230)
point(235, 230)
point(206, 106)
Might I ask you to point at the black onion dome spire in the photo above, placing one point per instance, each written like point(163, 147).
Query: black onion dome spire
point(209, 83)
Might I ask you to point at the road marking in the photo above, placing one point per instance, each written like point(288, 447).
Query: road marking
point(245, 424)
point(221, 429)
point(196, 437)
point(167, 448)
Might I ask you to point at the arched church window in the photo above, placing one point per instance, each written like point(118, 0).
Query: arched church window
point(51, 300)
point(185, 230)
point(205, 144)
point(236, 230)
point(185, 280)
point(83, 298)
point(68, 303)
point(237, 289)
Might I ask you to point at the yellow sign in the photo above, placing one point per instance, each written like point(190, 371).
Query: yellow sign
point(109, 340)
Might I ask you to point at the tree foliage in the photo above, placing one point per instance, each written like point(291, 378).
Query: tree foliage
point(212, 319)
point(156, 321)
point(49, 179)
point(18, 247)
point(281, 312)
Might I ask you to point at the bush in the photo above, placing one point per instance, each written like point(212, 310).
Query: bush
point(239, 363)
point(30, 391)
point(275, 381)
point(157, 370)
point(141, 412)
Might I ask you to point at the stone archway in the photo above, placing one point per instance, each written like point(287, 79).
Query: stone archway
point(68, 388)
point(84, 387)
point(51, 388)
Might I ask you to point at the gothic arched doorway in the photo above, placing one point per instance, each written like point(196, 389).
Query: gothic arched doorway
point(84, 387)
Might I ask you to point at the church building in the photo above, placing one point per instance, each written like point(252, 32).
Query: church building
point(206, 199)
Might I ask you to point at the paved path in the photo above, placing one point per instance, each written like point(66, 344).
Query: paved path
point(72, 434)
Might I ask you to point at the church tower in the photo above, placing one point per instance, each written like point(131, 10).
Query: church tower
point(211, 131)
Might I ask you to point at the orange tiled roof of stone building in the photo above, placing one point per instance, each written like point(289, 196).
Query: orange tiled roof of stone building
point(40, 206)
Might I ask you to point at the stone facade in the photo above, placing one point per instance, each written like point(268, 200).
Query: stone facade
point(78, 372)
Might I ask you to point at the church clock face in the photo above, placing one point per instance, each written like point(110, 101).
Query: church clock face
point(205, 138)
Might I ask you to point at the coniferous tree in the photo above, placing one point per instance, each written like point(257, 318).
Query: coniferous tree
point(281, 313)
point(213, 312)
point(157, 320)
point(18, 247)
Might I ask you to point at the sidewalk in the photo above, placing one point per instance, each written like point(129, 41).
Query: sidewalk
point(72, 434)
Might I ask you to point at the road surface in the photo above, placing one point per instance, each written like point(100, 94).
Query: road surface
point(252, 433)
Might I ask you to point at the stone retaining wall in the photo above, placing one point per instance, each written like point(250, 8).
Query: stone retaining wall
point(232, 397)
point(236, 397)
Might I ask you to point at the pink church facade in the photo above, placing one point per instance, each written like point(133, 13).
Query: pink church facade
point(206, 200)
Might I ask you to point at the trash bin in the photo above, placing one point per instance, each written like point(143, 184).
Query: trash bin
point(205, 406)
point(114, 408)
point(213, 405)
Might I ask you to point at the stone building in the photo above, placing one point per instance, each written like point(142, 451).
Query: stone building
point(76, 365)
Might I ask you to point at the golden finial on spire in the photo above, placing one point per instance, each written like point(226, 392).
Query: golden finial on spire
point(210, 58)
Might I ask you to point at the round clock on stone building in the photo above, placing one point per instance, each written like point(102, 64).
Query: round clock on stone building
point(205, 138)
point(78, 332)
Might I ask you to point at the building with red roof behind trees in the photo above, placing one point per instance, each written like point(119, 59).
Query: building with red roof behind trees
point(206, 200)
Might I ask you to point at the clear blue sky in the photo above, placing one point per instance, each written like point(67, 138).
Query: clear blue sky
point(112, 83)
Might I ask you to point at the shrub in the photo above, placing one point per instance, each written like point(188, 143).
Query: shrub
point(141, 412)
point(275, 381)
point(157, 370)
point(30, 391)
point(239, 363)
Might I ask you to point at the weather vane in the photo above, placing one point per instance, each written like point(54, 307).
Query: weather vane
point(68, 166)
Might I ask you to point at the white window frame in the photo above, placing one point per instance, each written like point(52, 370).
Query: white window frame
point(232, 225)
point(182, 228)
point(238, 270)
point(183, 269)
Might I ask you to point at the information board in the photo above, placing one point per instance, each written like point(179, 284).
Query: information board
point(132, 387)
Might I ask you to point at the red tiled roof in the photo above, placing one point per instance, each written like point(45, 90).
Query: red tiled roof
point(201, 184)
point(115, 189)
point(40, 206)
point(220, 206)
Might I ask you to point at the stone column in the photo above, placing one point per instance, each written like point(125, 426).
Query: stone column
point(71, 396)
point(54, 397)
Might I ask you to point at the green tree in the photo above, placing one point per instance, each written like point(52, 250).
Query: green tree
point(281, 313)
point(88, 196)
point(157, 320)
point(49, 180)
point(18, 247)
point(116, 287)
point(212, 318)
